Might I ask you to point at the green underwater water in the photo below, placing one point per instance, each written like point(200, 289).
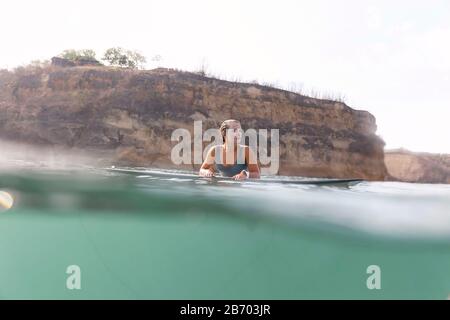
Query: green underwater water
point(146, 238)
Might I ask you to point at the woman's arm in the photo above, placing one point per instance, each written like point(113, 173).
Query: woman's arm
point(207, 168)
point(252, 164)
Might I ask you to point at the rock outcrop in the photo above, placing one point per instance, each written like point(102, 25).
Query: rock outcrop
point(421, 167)
point(81, 61)
point(133, 113)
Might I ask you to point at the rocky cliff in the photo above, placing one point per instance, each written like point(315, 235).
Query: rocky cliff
point(131, 115)
point(410, 166)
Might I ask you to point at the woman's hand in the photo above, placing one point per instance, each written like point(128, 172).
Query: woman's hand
point(240, 176)
point(206, 173)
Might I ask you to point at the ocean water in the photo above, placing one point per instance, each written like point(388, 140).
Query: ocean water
point(144, 237)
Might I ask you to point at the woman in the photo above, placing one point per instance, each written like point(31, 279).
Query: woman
point(222, 158)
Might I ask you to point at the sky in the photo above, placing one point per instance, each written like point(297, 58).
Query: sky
point(391, 58)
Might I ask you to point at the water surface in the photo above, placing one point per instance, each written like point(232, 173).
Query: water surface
point(145, 237)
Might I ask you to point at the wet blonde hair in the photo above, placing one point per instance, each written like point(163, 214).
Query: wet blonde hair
point(227, 125)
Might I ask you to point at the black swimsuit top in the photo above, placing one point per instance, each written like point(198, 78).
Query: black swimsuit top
point(234, 169)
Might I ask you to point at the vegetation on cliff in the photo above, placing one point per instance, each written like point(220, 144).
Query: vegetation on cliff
point(118, 57)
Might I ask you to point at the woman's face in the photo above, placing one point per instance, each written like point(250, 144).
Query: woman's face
point(234, 132)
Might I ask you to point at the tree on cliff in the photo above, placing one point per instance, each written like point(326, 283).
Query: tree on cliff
point(74, 55)
point(124, 58)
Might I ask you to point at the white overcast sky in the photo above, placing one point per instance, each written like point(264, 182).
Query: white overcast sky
point(391, 58)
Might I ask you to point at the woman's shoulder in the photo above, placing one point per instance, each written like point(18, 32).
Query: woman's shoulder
point(244, 147)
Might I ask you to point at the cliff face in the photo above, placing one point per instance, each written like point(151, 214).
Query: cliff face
point(418, 167)
point(132, 114)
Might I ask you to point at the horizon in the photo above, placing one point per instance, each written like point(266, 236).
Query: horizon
point(393, 48)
